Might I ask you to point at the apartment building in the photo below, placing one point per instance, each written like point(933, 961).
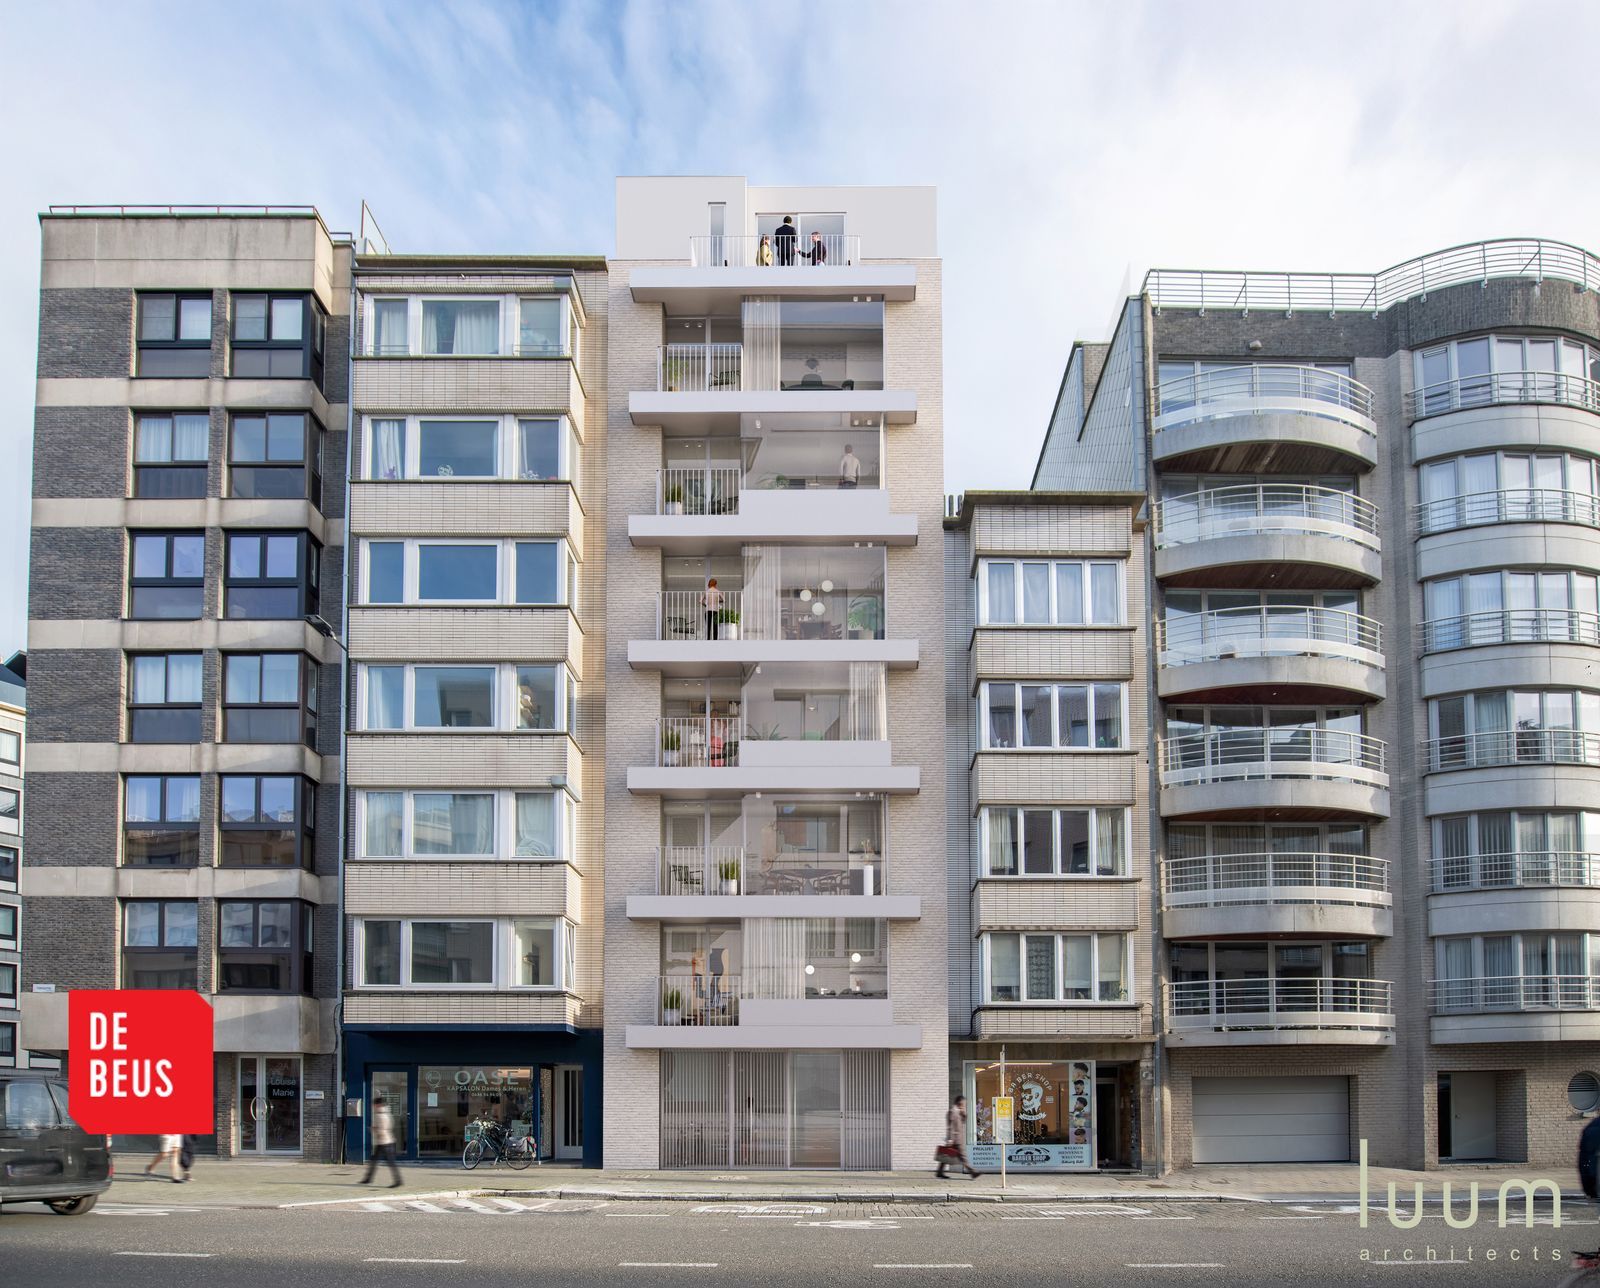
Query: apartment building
point(183, 746)
point(1051, 890)
point(1373, 555)
point(476, 743)
point(13, 724)
point(775, 943)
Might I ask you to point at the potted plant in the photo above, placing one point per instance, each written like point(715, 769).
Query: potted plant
point(676, 368)
point(675, 499)
point(729, 621)
point(672, 1006)
point(865, 617)
point(730, 876)
point(669, 747)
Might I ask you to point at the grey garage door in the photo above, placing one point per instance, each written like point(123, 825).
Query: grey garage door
point(1271, 1120)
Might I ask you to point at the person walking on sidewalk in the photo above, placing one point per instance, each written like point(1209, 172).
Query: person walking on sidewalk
point(955, 1140)
point(168, 1147)
point(382, 1141)
point(186, 1156)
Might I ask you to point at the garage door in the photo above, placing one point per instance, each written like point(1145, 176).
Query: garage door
point(1271, 1120)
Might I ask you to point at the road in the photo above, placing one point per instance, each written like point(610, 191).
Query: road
point(419, 1243)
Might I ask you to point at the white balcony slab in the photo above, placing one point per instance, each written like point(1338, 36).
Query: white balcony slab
point(702, 290)
point(693, 781)
point(775, 1037)
point(716, 907)
point(733, 657)
point(721, 409)
point(1514, 1026)
point(793, 516)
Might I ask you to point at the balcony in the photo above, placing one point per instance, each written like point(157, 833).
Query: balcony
point(1312, 894)
point(1292, 772)
point(1246, 419)
point(1304, 654)
point(1503, 388)
point(1519, 871)
point(836, 1003)
point(1511, 747)
point(1516, 1008)
point(1511, 626)
point(696, 883)
point(728, 251)
point(1282, 536)
point(1508, 505)
point(723, 269)
point(1280, 1012)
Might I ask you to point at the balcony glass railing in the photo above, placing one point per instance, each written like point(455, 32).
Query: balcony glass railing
point(1501, 387)
point(1511, 626)
point(732, 870)
point(698, 742)
point(1509, 505)
point(1261, 1002)
point(724, 250)
point(699, 489)
point(1523, 869)
point(1264, 388)
point(1273, 630)
point(1512, 747)
point(1224, 755)
point(683, 615)
point(1252, 509)
point(1516, 993)
point(699, 998)
point(1212, 880)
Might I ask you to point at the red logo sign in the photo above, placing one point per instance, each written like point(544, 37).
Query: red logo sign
point(139, 1061)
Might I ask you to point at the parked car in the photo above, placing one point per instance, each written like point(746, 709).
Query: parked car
point(45, 1157)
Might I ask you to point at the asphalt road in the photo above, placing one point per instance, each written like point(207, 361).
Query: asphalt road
point(488, 1241)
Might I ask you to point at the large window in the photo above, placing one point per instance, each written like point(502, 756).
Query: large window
point(508, 697)
point(1533, 971)
point(164, 692)
point(467, 954)
point(1505, 726)
point(465, 824)
point(1553, 605)
point(267, 821)
point(1046, 842)
point(275, 455)
point(269, 697)
point(534, 448)
point(1504, 368)
point(1058, 968)
point(10, 747)
point(161, 820)
point(1199, 625)
point(10, 809)
point(166, 575)
point(174, 334)
point(420, 571)
point(1074, 717)
point(271, 575)
point(160, 944)
point(1236, 977)
point(531, 326)
point(8, 926)
point(264, 946)
point(8, 985)
point(8, 865)
point(278, 337)
point(1494, 849)
point(1046, 592)
point(170, 450)
point(1508, 487)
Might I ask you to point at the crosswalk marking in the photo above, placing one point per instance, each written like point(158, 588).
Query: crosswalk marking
point(422, 1205)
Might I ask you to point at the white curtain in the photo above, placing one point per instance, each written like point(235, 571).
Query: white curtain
point(775, 958)
point(536, 824)
point(183, 677)
point(867, 720)
point(384, 824)
point(389, 327)
point(762, 346)
point(1002, 842)
point(388, 449)
point(385, 697)
point(761, 607)
point(190, 435)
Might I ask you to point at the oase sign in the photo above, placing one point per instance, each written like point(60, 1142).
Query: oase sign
point(140, 1061)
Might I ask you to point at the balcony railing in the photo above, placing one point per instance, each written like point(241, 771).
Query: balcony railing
point(1500, 387)
point(1521, 870)
point(731, 870)
point(699, 998)
point(1264, 388)
point(1513, 747)
point(698, 489)
point(1509, 505)
point(1217, 880)
point(1511, 626)
point(698, 741)
point(1515, 993)
point(687, 368)
point(683, 615)
point(1272, 630)
point(1268, 1003)
point(1226, 755)
point(1523, 257)
point(1249, 509)
point(721, 250)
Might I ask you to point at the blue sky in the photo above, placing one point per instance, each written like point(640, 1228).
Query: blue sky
point(1074, 145)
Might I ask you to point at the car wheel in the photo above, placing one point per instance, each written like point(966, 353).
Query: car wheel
point(73, 1207)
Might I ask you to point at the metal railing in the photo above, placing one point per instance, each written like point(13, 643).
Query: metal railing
point(1226, 755)
point(1512, 747)
point(1272, 630)
point(1515, 993)
point(1211, 880)
point(1488, 390)
point(698, 741)
point(731, 870)
point(1264, 387)
point(1258, 1003)
point(698, 489)
point(739, 250)
point(1246, 509)
point(683, 615)
point(1511, 626)
point(702, 998)
point(699, 869)
point(136, 209)
point(687, 368)
point(1514, 870)
point(1518, 257)
point(1508, 505)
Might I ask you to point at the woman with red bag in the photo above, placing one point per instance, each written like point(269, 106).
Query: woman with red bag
point(954, 1148)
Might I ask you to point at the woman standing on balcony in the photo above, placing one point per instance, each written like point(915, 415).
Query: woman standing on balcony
point(712, 600)
point(764, 252)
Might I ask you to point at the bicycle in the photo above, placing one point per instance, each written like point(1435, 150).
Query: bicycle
point(487, 1138)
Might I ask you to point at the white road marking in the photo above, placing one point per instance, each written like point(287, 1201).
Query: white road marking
point(471, 1206)
point(420, 1261)
point(1459, 1261)
point(667, 1265)
point(1094, 1209)
point(422, 1205)
point(1163, 1218)
point(923, 1265)
point(1292, 1218)
point(862, 1223)
point(512, 1205)
point(1173, 1265)
point(377, 1207)
point(759, 1209)
point(195, 1255)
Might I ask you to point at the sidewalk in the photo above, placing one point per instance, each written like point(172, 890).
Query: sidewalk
point(252, 1184)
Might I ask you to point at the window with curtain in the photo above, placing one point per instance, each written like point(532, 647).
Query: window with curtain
point(460, 327)
point(385, 824)
point(539, 449)
point(1060, 592)
point(536, 825)
point(453, 823)
point(164, 697)
point(1002, 851)
point(170, 450)
point(390, 331)
point(388, 450)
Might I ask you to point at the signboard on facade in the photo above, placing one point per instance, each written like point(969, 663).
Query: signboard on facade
point(1043, 1118)
point(1004, 1120)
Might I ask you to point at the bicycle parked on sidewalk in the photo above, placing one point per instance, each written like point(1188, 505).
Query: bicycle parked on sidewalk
point(487, 1139)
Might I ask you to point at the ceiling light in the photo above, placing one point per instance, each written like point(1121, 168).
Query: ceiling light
point(805, 595)
point(855, 957)
point(827, 587)
point(818, 608)
point(810, 969)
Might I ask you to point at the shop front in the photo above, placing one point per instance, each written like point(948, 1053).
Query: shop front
point(531, 1082)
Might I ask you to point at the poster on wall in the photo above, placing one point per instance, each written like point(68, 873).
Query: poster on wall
point(1053, 1115)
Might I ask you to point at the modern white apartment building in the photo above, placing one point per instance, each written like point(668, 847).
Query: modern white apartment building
point(774, 908)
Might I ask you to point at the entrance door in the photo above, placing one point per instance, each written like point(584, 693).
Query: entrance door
point(269, 1104)
point(394, 1085)
point(816, 1109)
point(569, 1111)
point(1471, 1108)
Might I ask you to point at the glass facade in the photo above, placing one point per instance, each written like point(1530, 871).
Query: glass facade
point(449, 1097)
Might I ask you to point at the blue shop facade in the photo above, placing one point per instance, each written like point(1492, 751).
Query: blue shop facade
point(543, 1079)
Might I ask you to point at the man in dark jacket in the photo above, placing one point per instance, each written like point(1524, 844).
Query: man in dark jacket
point(1589, 1158)
point(818, 252)
point(783, 239)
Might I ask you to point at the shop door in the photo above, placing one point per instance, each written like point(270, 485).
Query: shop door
point(269, 1104)
point(1472, 1116)
point(394, 1085)
point(569, 1111)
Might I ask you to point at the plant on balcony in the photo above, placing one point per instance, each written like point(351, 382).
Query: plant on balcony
point(728, 619)
point(672, 1006)
point(675, 499)
point(773, 733)
point(729, 870)
point(864, 618)
point(676, 370)
point(670, 742)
